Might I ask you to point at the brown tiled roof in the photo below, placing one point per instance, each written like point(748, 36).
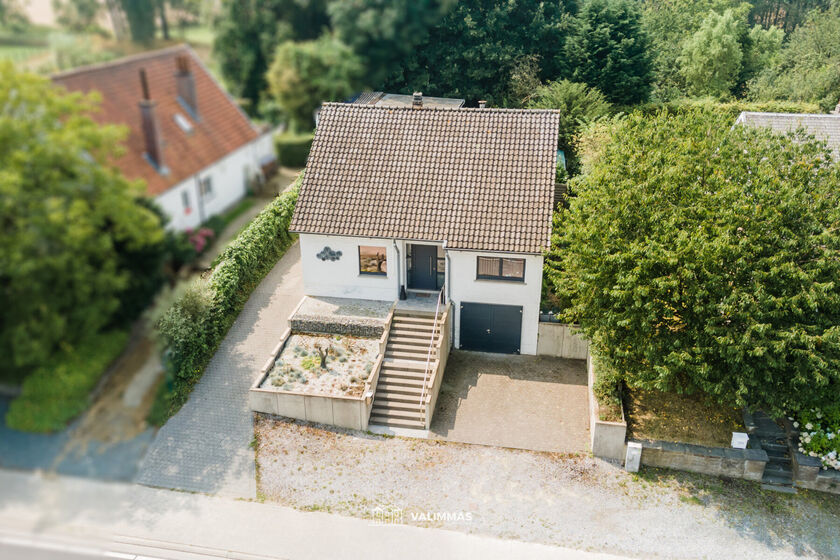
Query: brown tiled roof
point(820, 126)
point(222, 127)
point(478, 179)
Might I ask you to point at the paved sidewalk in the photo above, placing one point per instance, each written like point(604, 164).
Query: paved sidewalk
point(127, 518)
point(206, 446)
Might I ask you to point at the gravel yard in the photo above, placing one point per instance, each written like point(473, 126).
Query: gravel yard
point(569, 500)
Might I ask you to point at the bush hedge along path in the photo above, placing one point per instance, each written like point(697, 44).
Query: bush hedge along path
point(205, 446)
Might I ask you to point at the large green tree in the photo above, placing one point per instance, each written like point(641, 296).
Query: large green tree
point(478, 44)
point(808, 68)
point(305, 74)
point(610, 50)
point(141, 19)
point(578, 105)
point(711, 58)
point(384, 32)
point(701, 256)
point(64, 214)
point(247, 35)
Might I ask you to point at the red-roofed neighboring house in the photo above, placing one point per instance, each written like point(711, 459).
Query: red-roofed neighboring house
point(188, 140)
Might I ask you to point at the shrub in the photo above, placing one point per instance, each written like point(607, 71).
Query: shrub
point(607, 389)
point(820, 434)
point(191, 329)
point(702, 256)
point(58, 391)
point(293, 149)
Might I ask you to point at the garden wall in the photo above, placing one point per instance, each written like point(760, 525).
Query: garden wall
point(559, 340)
point(715, 461)
point(808, 473)
point(607, 439)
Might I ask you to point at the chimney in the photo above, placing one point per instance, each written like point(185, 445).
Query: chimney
point(482, 104)
point(151, 129)
point(185, 82)
point(417, 100)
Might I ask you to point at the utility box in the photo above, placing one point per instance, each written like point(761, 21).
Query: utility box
point(740, 440)
point(634, 457)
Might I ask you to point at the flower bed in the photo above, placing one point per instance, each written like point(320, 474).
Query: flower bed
point(819, 435)
point(349, 362)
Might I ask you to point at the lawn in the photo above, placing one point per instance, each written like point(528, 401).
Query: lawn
point(197, 35)
point(680, 418)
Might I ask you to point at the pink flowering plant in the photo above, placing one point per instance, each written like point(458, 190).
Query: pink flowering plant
point(819, 435)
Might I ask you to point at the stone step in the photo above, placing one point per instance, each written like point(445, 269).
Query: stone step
point(420, 343)
point(399, 380)
point(778, 469)
point(411, 333)
point(386, 421)
point(386, 412)
point(769, 446)
point(404, 364)
point(418, 349)
point(406, 355)
point(398, 406)
point(414, 320)
point(399, 388)
point(403, 374)
point(775, 457)
point(414, 313)
point(774, 487)
point(394, 396)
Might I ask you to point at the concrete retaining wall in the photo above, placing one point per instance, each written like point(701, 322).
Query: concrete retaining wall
point(559, 340)
point(607, 439)
point(715, 461)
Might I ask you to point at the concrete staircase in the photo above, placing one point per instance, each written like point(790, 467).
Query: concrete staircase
point(397, 402)
point(778, 474)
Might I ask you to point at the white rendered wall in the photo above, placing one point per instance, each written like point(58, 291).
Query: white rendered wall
point(465, 287)
point(229, 180)
point(341, 278)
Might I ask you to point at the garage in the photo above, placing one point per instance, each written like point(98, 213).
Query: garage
point(489, 327)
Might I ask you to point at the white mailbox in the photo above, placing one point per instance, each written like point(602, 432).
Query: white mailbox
point(740, 440)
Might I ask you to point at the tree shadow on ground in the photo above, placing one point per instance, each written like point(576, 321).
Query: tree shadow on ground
point(806, 521)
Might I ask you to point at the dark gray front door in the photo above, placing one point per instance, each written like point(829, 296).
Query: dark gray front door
point(491, 328)
point(423, 267)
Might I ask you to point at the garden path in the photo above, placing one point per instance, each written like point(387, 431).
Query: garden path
point(206, 446)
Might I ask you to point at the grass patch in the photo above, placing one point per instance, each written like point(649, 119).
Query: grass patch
point(58, 391)
point(680, 418)
point(243, 206)
point(197, 35)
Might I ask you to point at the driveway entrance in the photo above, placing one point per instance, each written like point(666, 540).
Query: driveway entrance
point(524, 402)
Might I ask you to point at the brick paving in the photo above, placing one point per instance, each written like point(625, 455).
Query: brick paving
point(206, 446)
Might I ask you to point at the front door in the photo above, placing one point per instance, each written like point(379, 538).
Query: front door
point(423, 267)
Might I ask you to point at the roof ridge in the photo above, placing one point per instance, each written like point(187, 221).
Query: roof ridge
point(779, 114)
point(120, 61)
point(449, 109)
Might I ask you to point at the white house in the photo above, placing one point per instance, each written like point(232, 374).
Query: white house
point(188, 140)
point(824, 127)
point(410, 201)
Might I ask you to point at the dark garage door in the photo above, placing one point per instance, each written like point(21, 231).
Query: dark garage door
point(491, 328)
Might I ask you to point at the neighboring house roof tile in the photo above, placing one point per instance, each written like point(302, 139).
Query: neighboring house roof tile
point(222, 127)
point(480, 179)
point(822, 126)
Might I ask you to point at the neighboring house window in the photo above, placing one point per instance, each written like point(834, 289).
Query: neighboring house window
point(373, 260)
point(498, 268)
point(185, 199)
point(183, 123)
point(206, 188)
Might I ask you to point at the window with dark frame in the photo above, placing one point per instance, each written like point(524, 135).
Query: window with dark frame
point(373, 260)
point(499, 268)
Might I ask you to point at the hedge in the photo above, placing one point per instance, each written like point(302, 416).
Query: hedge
point(293, 149)
point(191, 330)
point(58, 391)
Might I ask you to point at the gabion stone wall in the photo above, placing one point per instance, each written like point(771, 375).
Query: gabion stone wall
point(330, 324)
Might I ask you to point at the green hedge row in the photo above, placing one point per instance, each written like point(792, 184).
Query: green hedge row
point(192, 328)
point(293, 149)
point(58, 391)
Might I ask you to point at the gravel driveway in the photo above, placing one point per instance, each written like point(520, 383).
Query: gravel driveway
point(206, 446)
point(569, 500)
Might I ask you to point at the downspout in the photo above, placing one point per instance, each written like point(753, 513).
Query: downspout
point(448, 290)
point(401, 288)
point(199, 200)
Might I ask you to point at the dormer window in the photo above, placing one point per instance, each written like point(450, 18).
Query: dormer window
point(183, 123)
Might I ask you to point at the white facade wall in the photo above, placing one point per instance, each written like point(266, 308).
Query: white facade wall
point(229, 179)
point(465, 287)
point(341, 278)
